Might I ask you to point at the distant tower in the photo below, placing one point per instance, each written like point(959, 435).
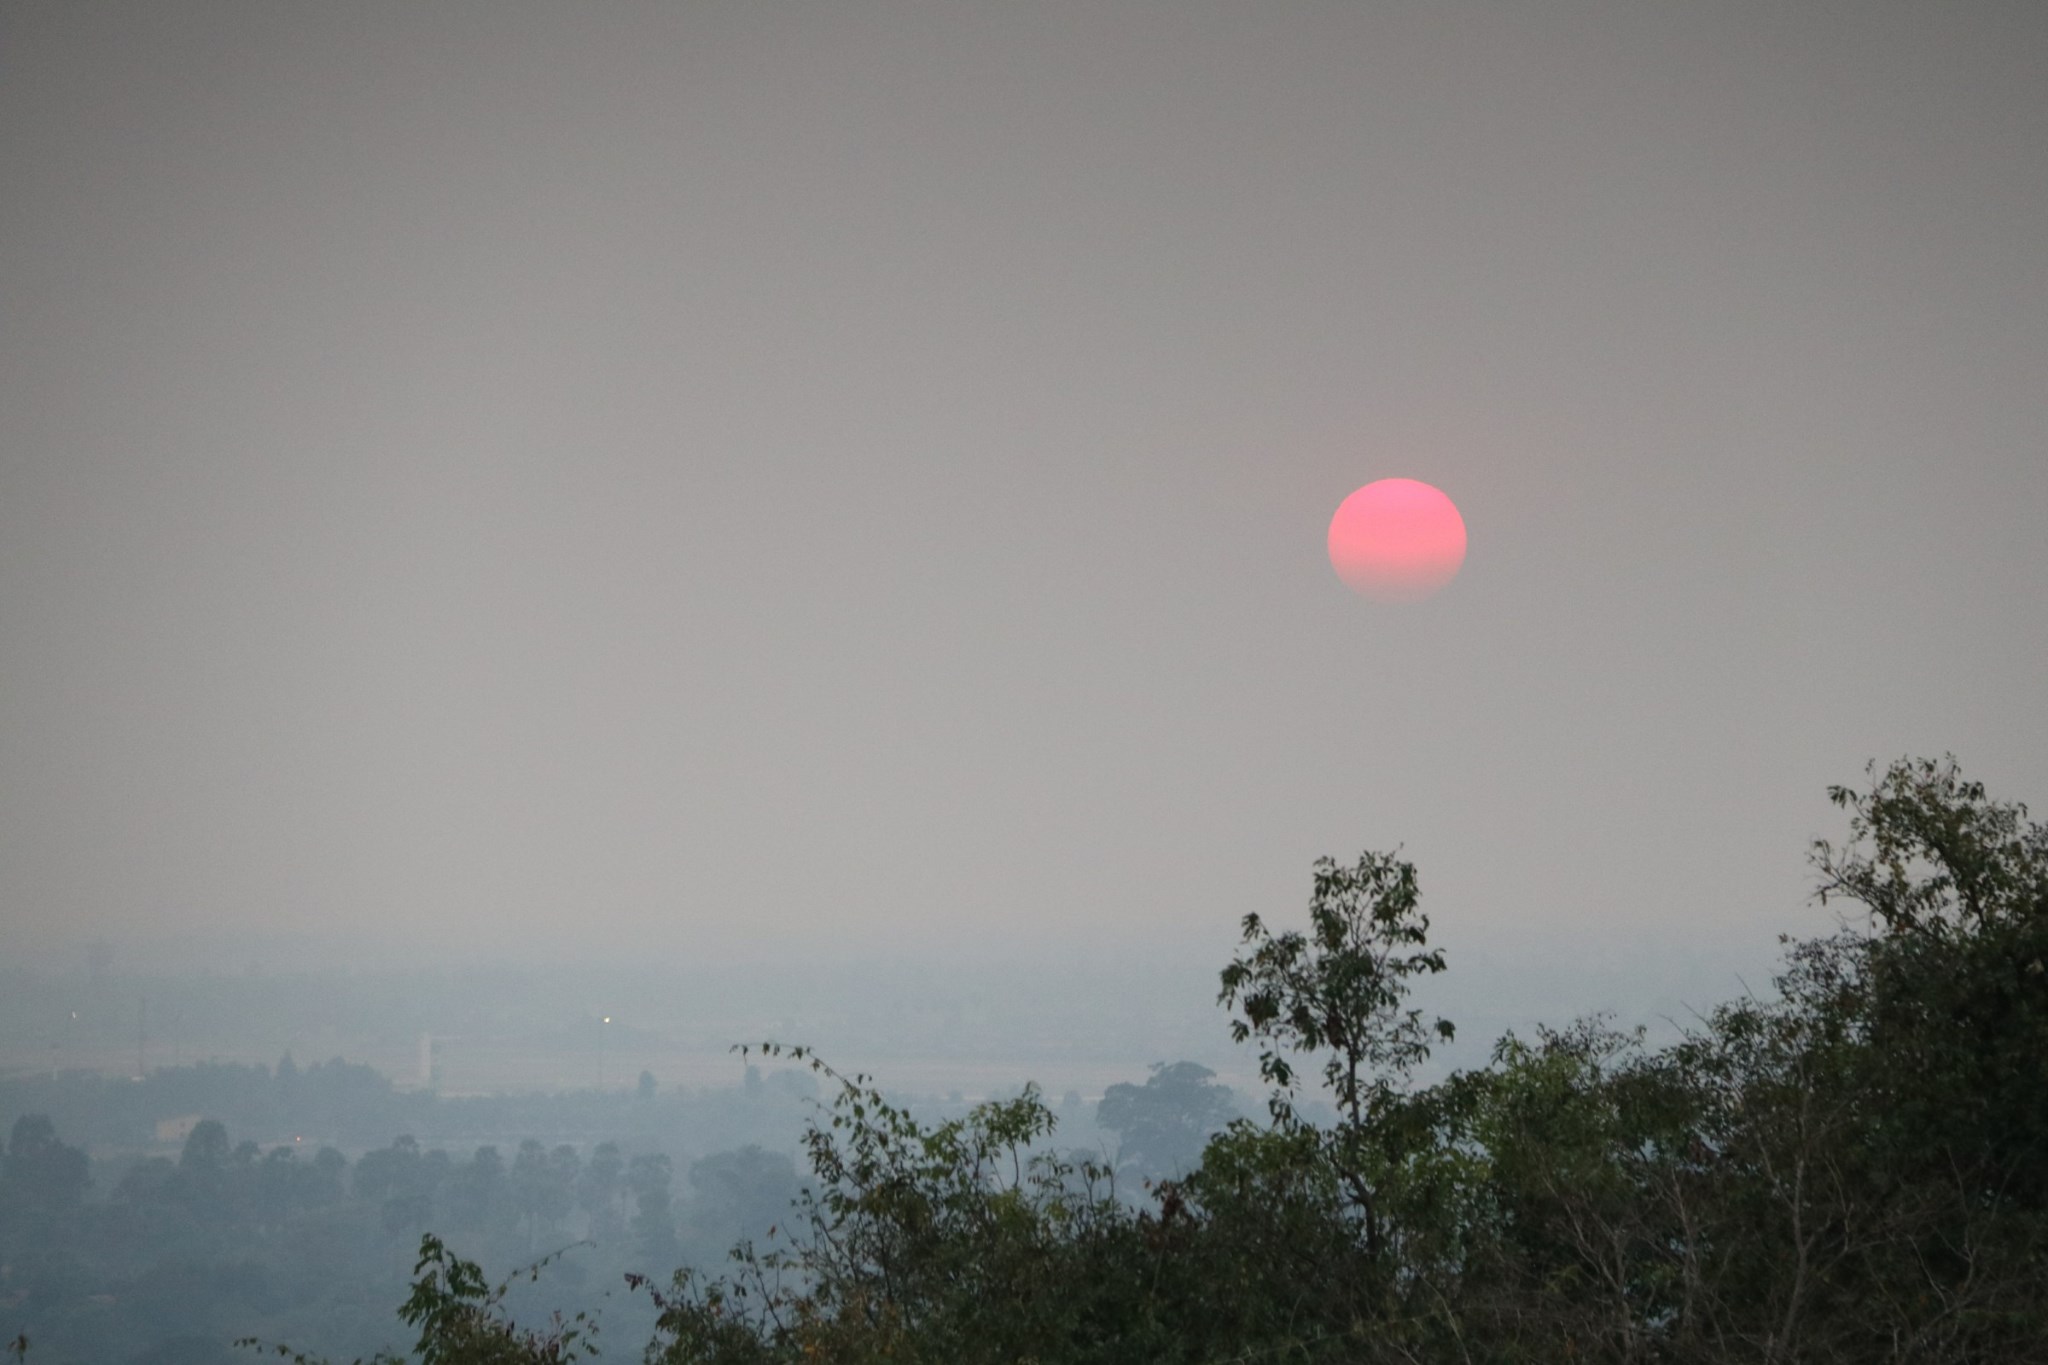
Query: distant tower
point(427, 1076)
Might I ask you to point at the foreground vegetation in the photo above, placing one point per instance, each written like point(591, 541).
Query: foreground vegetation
point(1854, 1169)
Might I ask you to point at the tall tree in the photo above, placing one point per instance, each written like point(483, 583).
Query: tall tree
point(1340, 991)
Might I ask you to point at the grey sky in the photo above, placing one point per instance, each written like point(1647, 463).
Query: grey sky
point(616, 482)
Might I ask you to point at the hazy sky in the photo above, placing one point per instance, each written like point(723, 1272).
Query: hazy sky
point(640, 482)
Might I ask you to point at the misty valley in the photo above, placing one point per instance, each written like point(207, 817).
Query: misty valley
point(157, 1215)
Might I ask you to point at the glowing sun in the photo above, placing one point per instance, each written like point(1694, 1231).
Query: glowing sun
point(1397, 540)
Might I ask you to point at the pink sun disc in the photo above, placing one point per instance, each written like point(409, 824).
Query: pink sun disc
point(1397, 540)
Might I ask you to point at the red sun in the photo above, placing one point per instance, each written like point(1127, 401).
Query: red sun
point(1397, 540)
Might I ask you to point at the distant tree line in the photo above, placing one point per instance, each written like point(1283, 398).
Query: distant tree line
point(351, 1106)
point(166, 1258)
point(182, 1254)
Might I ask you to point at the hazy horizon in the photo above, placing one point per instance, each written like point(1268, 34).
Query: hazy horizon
point(811, 486)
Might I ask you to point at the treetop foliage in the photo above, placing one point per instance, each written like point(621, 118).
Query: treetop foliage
point(1929, 852)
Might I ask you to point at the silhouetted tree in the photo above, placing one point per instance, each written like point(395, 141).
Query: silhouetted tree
point(1163, 1124)
point(651, 1178)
